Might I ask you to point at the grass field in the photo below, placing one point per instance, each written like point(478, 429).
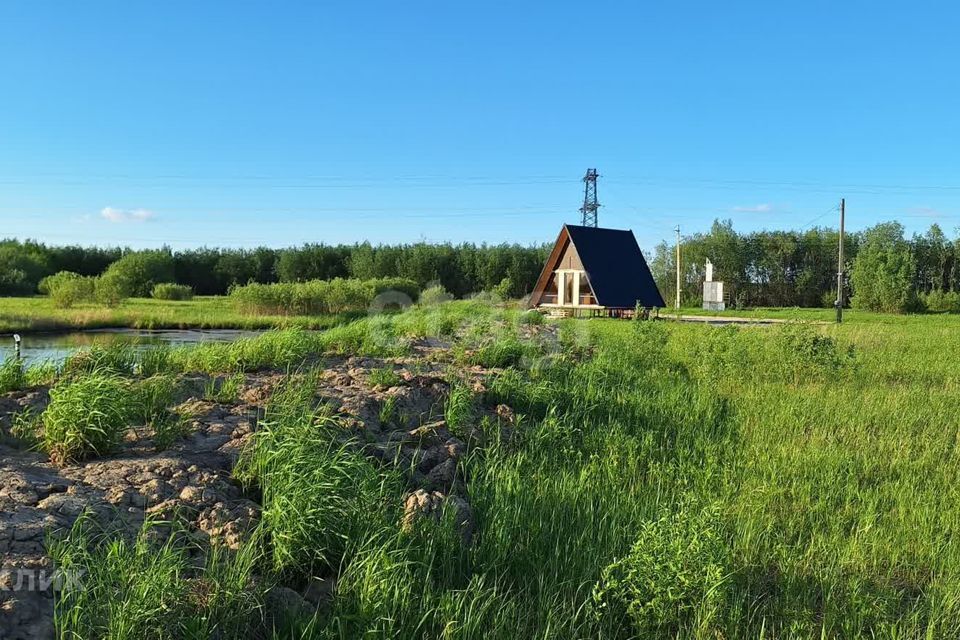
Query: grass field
point(204, 312)
point(855, 316)
point(665, 480)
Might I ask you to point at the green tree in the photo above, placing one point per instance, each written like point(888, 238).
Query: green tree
point(22, 265)
point(136, 273)
point(884, 270)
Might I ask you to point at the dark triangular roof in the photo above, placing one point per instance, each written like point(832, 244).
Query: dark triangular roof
point(616, 269)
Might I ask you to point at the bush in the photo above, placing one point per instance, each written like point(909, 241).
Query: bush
point(50, 282)
point(86, 416)
point(318, 297)
point(170, 291)
point(802, 352)
point(504, 289)
point(68, 292)
point(938, 301)
point(135, 274)
point(674, 578)
point(109, 289)
point(67, 288)
point(435, 295)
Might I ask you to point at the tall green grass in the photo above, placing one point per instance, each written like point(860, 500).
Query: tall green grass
point(87, 416)
point(13, 377)
point(661, 480)
point(152, 587)
point(320, 494)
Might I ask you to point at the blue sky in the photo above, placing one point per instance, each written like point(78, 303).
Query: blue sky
point(243, 123)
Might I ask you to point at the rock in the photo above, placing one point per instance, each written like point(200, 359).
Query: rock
point(283, 600)
point(191, 494)
point(443, 475)
point(431, 504)
point(506, 413)
point(320, 591)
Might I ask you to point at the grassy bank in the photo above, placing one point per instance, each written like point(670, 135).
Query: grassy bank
point(665, 480)
point(207, 312)
point(850, 316)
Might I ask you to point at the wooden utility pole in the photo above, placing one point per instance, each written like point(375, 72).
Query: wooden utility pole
point(678, 269)
point(843, 202)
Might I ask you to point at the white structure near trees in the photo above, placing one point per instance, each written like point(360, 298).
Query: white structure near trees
point(712, 291)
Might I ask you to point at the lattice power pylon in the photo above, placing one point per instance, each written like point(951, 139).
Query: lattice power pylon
point(590, 204)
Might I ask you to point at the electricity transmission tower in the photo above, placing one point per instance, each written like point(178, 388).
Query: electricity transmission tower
point(590, 204)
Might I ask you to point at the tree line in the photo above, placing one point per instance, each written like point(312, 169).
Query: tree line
point(461, 269)
point(885, 270)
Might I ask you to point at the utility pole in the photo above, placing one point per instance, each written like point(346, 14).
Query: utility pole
point(843, 202)
point(590, 204)
point(678, 269)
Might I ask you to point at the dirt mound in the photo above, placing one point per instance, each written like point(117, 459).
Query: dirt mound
point(397, 424)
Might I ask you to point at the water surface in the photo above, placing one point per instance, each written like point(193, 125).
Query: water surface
point(55, 347)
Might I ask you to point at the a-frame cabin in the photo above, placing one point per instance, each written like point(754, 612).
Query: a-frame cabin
point(593, 271)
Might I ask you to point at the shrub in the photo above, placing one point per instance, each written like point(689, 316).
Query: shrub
point(86, 416)
point(170, 291)
point(110, 290)
point(51, 282)
point(674, 577)
point(317, 297)
point(67, 288)
point(136, 273)
point(938, 301)
point(801, 351)
point(404, 286)
point(504, 289)
point(71, 292)
point(435, 295)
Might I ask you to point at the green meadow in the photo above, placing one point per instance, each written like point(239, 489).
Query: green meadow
point(661, 480)
point(202, 312)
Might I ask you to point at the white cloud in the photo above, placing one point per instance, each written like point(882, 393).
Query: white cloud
point(113, 214)
point(765, 207)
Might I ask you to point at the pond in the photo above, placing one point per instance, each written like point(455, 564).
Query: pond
point(55, 347)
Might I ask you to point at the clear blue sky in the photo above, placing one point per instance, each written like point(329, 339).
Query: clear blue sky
point(242, 123)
